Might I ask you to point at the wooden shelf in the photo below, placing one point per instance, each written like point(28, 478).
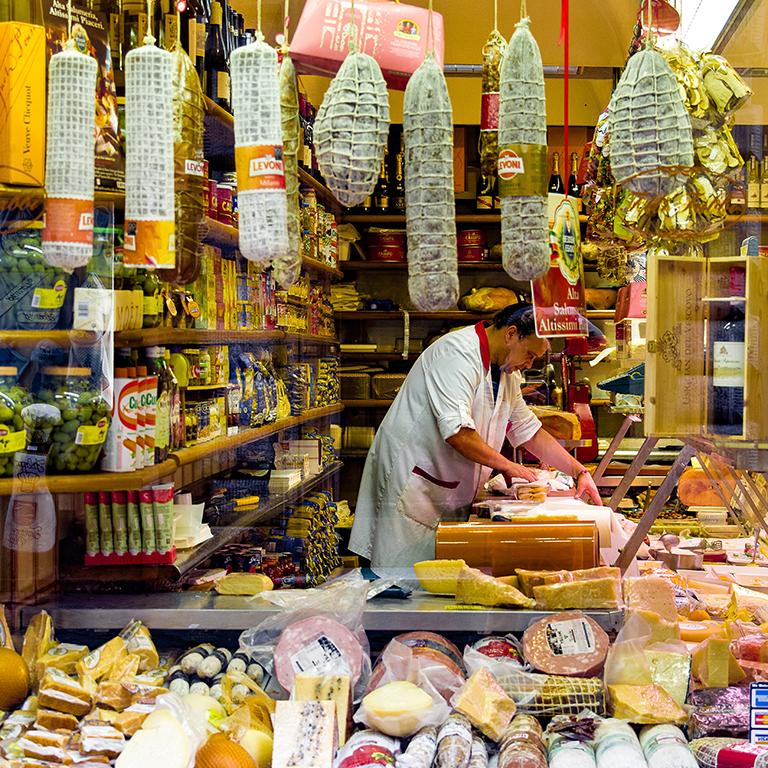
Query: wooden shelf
point(214, 110)
point(398, 315)
point(319, 268)
point(600, 314)
point(367, 403)
point(134, 481)
point(376, 266)
point(206, 387)
point(324, 195)
point(311, 338)
point(219, 234)
point(382, 356)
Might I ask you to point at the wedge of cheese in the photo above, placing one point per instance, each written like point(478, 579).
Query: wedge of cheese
point(475, 588)
point(38, 640)
point(337, 688)
point(672, 672)
point(484, 703)
point(531, 579)
point(661, 630)
point(439, 576)
point(243, 584)
point(305, 734)
point(645, 704)
point(99, 663)
point(160, 743)
point(592, 594)
point(63, 657)
point(715, 665)
point(653, 594)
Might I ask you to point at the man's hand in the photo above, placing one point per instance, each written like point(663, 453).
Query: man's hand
point(513, 470)
point(586, 485)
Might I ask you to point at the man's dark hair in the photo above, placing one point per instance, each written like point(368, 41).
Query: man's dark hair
point(520, 315)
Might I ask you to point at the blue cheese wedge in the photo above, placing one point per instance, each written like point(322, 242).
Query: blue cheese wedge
point(305, 734)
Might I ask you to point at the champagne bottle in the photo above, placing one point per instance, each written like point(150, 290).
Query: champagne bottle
point(753, 184)
point(727, 400)
point(574, 190)
point(381, 193)
point(170, 26)
point(764, 186)
point(556, 186)
point(367, 205)
point(216, 69)
point(397, 193)
point(484, 193)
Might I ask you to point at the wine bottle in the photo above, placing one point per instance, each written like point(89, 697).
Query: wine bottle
point(397, 193)
point(381, 193)
point(753, 184)
point(496, 194)
point(216, 69)
point(737, 201)
point(201, 38)
point(171, 26)
point(727, 401)
point(764, 186)
point(484, 193)
point(556, 186)
point(574, 190)
point(367, 205)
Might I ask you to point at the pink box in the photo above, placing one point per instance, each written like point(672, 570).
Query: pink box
point(632, 301)
point(393, 33)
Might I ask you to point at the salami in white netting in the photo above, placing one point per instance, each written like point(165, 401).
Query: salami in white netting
point(648, 126)
point(68, 233)
point(433, 281)
point(523, 158)
point(261, 196)
point(351, 128)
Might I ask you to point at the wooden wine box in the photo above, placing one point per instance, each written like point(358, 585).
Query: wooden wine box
point(684, 296)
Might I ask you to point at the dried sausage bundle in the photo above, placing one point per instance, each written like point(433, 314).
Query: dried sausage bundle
point(433, 281)
point(648, 125)
point(288, 265)
point(259, 153)
point(351, 128)
point(493, 52)
point(523, 159)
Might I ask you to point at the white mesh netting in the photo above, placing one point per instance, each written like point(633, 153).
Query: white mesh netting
point(351, 129)
point(288, 265)
point(256, 105)
point(523, 120)
point(69, 165)
point(149, 194)
point(648, 125)
point(433, 281)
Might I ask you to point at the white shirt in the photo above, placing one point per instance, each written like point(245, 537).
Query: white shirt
point(412, 477)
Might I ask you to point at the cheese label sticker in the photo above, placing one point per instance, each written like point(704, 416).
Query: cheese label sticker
point(319, 653)
point(570, 638)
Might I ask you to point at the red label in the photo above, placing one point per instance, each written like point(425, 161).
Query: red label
point(510, 164)
point(489, 112)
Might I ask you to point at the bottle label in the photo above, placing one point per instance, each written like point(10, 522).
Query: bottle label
point(259, 167)
point(114, 35)
point(489, 112)
point(222, 85)
point(200, 40)
point(522, 170)
point(753, 194)
point(728, 364)
point(171, 31)
point(764, 195)
point(484, 203)
point(163, 420)
point(10, 442)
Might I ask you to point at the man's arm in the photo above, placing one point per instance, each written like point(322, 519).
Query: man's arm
point(543, 445)
point(471, 446)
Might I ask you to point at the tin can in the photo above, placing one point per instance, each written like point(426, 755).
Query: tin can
point(224, 203)
point(470, 237)
point(213, 204)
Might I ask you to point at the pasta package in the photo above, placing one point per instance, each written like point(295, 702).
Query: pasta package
point(522, 165)
point(433, 280)
point(351, 129)
point(493, 52)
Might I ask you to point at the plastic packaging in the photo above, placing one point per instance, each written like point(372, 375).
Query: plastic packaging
point(162, 496)
point(421, 750)
point(13, 436)
point(134, 522)
point(148, 391)
point(92, 541)
point(105, 524)
point(664, 746)
point(119, 522)
point(617, 745)
point(146, 507)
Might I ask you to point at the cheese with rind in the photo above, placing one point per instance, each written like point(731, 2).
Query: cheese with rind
point(485, 704)
point(305, 734)
point(397, 708)
point(651, 593)
point(604, 593)
point(645, 704)
point(475, 588)
point(439, 576)
point(670, 671)
point(715, 665)
point(337, 688)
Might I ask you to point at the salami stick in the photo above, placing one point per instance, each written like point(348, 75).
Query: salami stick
point(421, 749)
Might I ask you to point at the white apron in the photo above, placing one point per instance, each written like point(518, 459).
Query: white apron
point(413, 479)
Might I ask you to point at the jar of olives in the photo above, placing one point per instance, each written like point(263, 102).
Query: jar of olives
point(78, 439)
point(12, 435)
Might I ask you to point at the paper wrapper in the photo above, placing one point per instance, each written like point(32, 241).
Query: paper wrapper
point(727, 91)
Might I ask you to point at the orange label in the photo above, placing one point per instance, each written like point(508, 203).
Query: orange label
point(259, 167)
point(150, 244)
point(68, 221)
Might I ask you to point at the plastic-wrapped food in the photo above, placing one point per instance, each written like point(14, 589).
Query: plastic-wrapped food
point(719, 712)
point(493, 52)
point(563, 752)
point(189, 176)
point(258, 153)
point(729, 753)
point(454, 743)
point(617, 745)
point(288, 265)
point(716, 150)
point(686, 71)
point(366, 749)
point(421, 750)
point(665, 746)
point(550, 695)
point(433, 281)
point(351, 128)
point(523, 137)
point(522, 744)
point(648, 125)
point(479, 755)
point(725, 87)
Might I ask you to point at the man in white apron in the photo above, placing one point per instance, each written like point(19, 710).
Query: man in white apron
point(441, 439)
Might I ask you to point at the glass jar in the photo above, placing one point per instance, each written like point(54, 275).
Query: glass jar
point(149, 283)
point(78, 439)
point(12, 434)
point(205, 366)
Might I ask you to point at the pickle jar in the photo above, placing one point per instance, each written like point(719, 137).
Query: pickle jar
point(193, 360)
point(12, 435)
point(78, 439)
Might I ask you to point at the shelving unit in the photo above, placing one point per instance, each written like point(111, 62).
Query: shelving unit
point(367, 403)
point(378, 219)
point(385, 266)
point(398, 315)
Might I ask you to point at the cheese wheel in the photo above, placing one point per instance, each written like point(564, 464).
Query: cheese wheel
point(569, 644)
point(696, 631)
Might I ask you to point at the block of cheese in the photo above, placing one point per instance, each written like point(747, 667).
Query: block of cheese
point(601, 572)
point(243, 584)
point(651, 593)
point(124, 670)
point(591, 594)
point(159, 743)
point(672, 672)
point(51, 720)
point(305, 734)
point(138, 641)
point(130, 720)
point(661, 630)
point(44, 745)
point(484, 703)
point(715, 665)
point(397, 708)
point(99, 663)
point(63, 657)
point(309, 687)
point(475, 588)
point(645, 704)
point(60, 693)
point(531, 579)
point(97, 738)
point(439, 576)
point(696, 631)
point(745, 599)
point(38, 640)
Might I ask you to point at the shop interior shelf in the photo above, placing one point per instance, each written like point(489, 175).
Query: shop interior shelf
point(214, 110)
point(378, 356)
point(600, 314)
point(324, 195)
point(134, 481)
point(379, 219)
point(37, 194)
point(376, 266)
point(319, 268)
point(449, 315)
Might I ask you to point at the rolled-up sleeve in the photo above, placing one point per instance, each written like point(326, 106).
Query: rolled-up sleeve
point(523, 424)
point(450, 383)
